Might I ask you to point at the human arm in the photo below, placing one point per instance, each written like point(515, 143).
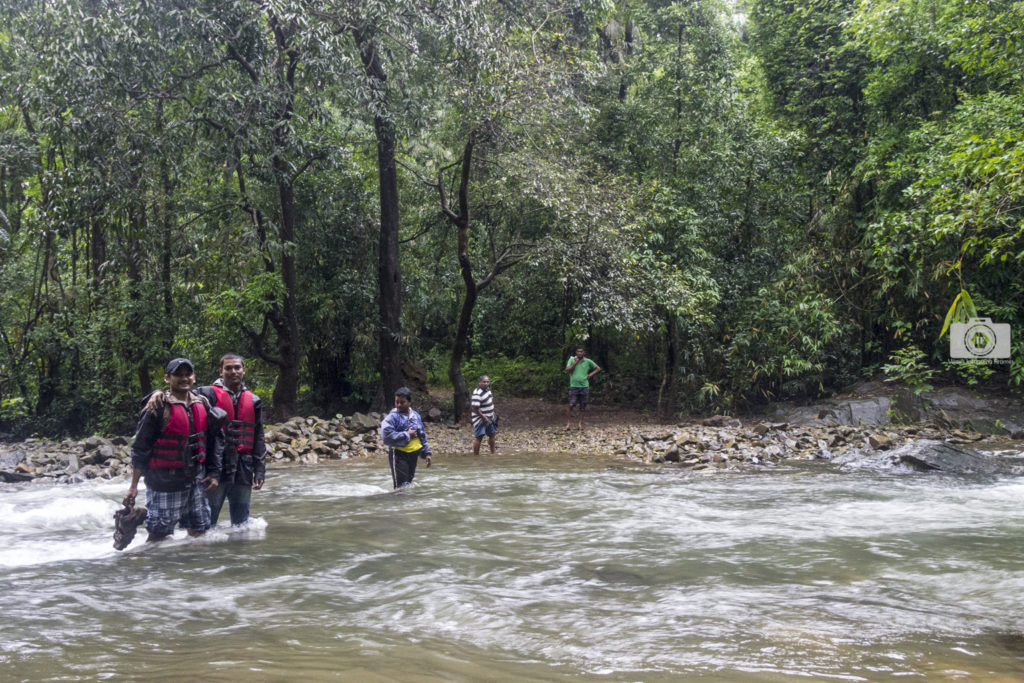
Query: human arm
point(571, 364)
point(421, 431)
point(213, 463)
point(394, 430)
point(259, 447)
point(147, 431)
point(133, 489)
point(596, 369)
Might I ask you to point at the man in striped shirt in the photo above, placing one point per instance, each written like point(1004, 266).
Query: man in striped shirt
point(482, 410)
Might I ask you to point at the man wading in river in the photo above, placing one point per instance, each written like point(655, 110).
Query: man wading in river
point(403, 432)
point(485, 422)
point(244, 463)
point(171, 451)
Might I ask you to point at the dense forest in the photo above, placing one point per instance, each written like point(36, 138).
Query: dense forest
point(728, 203)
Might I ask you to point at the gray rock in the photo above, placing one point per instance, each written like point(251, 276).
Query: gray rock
point(926, 455)
point(364, 422)
point(94, 442)
point(12, 458)
point(929, 455)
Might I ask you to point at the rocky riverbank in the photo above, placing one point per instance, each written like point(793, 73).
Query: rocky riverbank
point(719, 443)
point(857, 426)
point(305, 440)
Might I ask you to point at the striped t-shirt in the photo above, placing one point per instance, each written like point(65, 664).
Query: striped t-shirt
point(483, 400)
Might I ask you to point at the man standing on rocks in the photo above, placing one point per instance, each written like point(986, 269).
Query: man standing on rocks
point(580, 369)
point(482, 411)
point(178, 449)
point(245, 453)
point(402, 431)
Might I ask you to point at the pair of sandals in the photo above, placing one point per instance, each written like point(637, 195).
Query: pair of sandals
point(126, 521)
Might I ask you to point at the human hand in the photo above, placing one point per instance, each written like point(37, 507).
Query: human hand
point(210, 482)
point(129, 498)
point(428, 461)
point(257, 484)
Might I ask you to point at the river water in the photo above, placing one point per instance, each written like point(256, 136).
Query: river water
point(529, 568)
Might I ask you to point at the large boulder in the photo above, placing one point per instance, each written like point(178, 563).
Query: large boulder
point(928, 455)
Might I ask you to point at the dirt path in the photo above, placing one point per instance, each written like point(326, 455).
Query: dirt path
point(535, 425)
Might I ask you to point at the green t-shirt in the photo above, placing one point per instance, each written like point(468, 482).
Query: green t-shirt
point(578, 376)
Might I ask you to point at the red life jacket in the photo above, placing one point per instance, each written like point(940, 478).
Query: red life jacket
point(182, 437)
point(240, 425)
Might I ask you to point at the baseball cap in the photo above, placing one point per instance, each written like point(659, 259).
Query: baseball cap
point(178, 362)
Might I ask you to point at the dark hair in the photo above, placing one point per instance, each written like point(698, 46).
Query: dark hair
point(404, 391)
point(231, 356)
point(578, 347)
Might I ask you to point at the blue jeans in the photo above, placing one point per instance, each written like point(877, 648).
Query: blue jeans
point(238, 496)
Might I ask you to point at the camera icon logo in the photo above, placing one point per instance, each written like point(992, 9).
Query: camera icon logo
point(979, 338)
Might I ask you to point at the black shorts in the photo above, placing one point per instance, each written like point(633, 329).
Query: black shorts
point(579, 396)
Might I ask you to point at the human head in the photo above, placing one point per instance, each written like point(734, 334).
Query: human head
point(484, 382)
point(403, 399)
point(179, 366)
point(580, 352)
point(232, 370)
point(180, 375)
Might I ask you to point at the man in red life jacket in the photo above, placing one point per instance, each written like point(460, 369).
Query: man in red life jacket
point(178, 449)
point(245, 454)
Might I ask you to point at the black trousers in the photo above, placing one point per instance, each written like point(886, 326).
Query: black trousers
point(403, 466)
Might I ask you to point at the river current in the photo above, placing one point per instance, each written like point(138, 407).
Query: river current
point(529, 568)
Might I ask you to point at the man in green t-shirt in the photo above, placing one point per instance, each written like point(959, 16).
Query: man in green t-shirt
point(580, 369)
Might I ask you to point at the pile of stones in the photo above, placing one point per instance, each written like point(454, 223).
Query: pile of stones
point(722, 443)
point(305, 440)
point(309, 440)
point(45, 461)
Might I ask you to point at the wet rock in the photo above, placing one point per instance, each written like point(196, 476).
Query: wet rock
point(879, 442)
point(949, 458)
point(14, 477)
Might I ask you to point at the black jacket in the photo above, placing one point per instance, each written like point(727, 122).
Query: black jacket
point(151, 426)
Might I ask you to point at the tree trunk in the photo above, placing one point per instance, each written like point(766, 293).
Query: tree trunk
point(286, 390)
point(389, 277)
point(461, 222)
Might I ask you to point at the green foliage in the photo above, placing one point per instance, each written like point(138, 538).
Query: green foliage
point(969, 371)
point(909, 365)
point(517, 376)
point(725, 213)
point(1017, 365)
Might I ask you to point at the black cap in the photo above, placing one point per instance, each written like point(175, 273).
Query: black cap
point(178, 362)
